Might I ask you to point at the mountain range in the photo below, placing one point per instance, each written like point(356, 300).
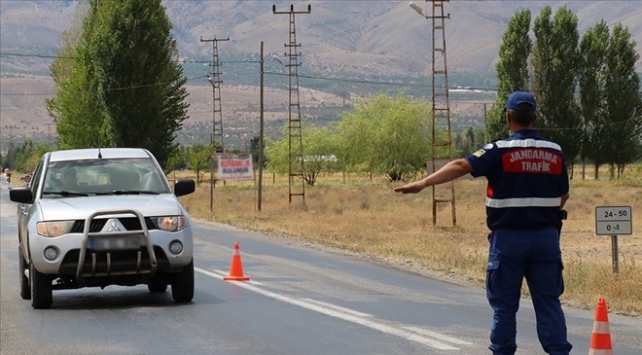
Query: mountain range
point(361, 37)
point(339, 38)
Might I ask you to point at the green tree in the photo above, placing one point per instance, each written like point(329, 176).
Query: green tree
point(387, 135)
point(592, 83)
point(542, 57)
point(200, 159)
point(179, 160)
point(75, 109)
point(125, 88)
point(512, 70)
point(469, 141)
point(555, 65)
point(320, 153)
point(26, 156)
point(255, 145)
point(610, 98)
point(623, 101)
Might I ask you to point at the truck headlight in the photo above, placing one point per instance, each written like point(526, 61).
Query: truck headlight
point(171, 223)
point(54, 229)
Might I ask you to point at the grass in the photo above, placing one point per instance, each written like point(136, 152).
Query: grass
point(366, 217)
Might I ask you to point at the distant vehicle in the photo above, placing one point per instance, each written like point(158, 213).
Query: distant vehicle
point(99, 217)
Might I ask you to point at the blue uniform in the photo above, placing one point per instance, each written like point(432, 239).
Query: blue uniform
point(526, 179)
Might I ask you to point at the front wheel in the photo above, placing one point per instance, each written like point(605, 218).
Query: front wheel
point(183, 284)
point(41, 290)
point(25, 292)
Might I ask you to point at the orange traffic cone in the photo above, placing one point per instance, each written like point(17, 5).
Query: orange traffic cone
point(601, 338)
point(236, 269)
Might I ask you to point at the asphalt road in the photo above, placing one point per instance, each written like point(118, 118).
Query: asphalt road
point(300, 300)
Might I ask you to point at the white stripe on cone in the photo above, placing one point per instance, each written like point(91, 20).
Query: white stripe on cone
point(600, 352)
point(600, 327)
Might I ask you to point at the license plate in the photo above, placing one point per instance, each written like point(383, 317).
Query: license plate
point(115, 243)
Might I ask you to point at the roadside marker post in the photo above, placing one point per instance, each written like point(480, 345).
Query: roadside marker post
point(613, 221)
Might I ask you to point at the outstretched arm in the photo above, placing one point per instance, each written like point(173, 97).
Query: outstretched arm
point(449, 172)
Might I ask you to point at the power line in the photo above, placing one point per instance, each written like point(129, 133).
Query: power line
point(33, 55)
point(112, 89)
point(182, 61)
point(220, 62)
point(356, 81)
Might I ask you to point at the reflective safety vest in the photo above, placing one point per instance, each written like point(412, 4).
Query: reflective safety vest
point(527, 177)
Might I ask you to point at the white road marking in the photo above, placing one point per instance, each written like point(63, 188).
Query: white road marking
point(438, 336)
point(350, 316)
point(338, 308)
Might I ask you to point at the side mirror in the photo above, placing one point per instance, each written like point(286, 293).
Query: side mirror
point(21, 194)
point(184, 187)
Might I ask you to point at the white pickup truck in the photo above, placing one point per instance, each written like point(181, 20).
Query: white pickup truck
point(99, 217)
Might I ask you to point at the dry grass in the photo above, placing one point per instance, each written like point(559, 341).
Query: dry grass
point(366, 217)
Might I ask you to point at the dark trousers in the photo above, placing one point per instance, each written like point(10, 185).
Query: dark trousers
point(534, 255)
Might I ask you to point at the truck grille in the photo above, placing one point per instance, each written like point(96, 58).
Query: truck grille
point(131, 223)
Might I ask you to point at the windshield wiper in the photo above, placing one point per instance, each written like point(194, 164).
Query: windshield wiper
point(64, 193)
point(133, 192)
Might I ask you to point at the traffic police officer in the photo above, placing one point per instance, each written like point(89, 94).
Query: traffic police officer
point(527, 189)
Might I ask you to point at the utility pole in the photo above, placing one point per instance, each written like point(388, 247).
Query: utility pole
point(295, 138)
point(485, 114)
point(214, 77)
point(440, 103)
point(11, 152)
point(261, 124)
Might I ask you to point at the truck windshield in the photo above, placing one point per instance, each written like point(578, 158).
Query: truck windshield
point(103, 176)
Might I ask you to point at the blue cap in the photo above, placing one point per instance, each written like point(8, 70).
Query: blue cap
point(521, 101)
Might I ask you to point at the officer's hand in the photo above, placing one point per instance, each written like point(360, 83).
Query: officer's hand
point(411, 188)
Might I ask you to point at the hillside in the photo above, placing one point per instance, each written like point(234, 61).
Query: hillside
point(374, 40)
point(341, 36)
